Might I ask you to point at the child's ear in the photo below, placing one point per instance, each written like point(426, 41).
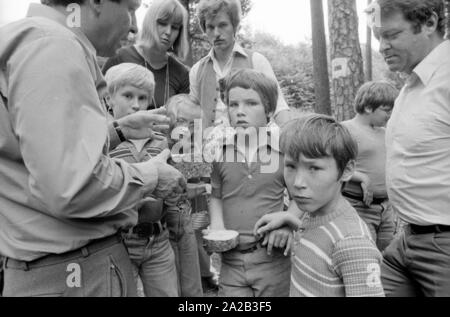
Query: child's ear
point(348, 171)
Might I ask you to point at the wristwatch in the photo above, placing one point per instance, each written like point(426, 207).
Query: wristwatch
point(119, 131)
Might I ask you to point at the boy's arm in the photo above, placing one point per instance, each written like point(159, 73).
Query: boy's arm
point(216, 214)
point(357, 261)
point(364, 180)
point(282, 237)
point(216, 204)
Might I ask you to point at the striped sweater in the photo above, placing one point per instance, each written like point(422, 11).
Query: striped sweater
point(334, 256)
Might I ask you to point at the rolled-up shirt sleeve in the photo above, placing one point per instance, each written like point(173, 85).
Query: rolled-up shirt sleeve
point(216, 181)
point(62, 132)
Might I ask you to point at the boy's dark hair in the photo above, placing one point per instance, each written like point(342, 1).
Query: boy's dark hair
point(373, 95)
point(418, 12)
point(317, 136)
point(266, 87)
point(67, 2)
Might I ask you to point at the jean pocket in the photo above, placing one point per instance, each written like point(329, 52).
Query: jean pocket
point(116, 281)
point(441, 242)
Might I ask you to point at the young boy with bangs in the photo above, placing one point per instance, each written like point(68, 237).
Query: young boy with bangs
point(366, 190)
point(247, 183)
point(183, 110)
point(130, 89)
point(333, 254)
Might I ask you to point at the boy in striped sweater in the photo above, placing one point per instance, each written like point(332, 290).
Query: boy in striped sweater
point(333, 252)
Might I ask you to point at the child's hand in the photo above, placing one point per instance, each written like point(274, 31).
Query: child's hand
point(195, 190)
point(270, 222)
point(367, 193)
point(280, 238)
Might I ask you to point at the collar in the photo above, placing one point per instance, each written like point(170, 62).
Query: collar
point(431, 63)
point(271, 139)
point(237, 49)
point(45, 11)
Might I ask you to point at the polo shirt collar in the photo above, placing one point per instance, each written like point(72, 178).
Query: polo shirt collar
point(271, 131)
point(237, 49)
point(430, 64)
point(45, 11)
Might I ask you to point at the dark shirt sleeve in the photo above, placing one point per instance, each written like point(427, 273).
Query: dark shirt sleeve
point(112, 61)
point(185, 86)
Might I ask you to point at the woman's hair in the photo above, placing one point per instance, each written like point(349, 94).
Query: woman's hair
point(210, 8)
point(266, 87)
point(166, 11)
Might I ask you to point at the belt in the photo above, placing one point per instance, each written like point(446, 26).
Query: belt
point(415, 229)
point(148, 229)
point(375, 200)
point(251, 249)
point(53, 259)
point(198, 180)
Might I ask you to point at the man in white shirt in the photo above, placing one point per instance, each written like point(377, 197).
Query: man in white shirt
point(411, 35)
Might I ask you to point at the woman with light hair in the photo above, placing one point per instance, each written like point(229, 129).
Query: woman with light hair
point(161, 44)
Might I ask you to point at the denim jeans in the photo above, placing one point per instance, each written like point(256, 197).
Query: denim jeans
point(184, 244)
point(417, 265)
point(105, 273)
point(154, 262)
point(379, 219)
point(255, 274)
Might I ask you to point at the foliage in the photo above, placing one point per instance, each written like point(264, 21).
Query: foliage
point(292, 66)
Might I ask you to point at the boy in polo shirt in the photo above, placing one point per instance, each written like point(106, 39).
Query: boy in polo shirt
point(130, 89)
point(366, 190)
point(247, 183)
point(333, 253)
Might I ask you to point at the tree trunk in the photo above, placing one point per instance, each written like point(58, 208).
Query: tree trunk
point(320, 63)
point(368, 69)
point(447, 11)
point(346, 57)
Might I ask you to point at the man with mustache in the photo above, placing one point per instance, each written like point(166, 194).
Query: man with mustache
point(63, 200)
point(411, 35)
point(220, 21)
